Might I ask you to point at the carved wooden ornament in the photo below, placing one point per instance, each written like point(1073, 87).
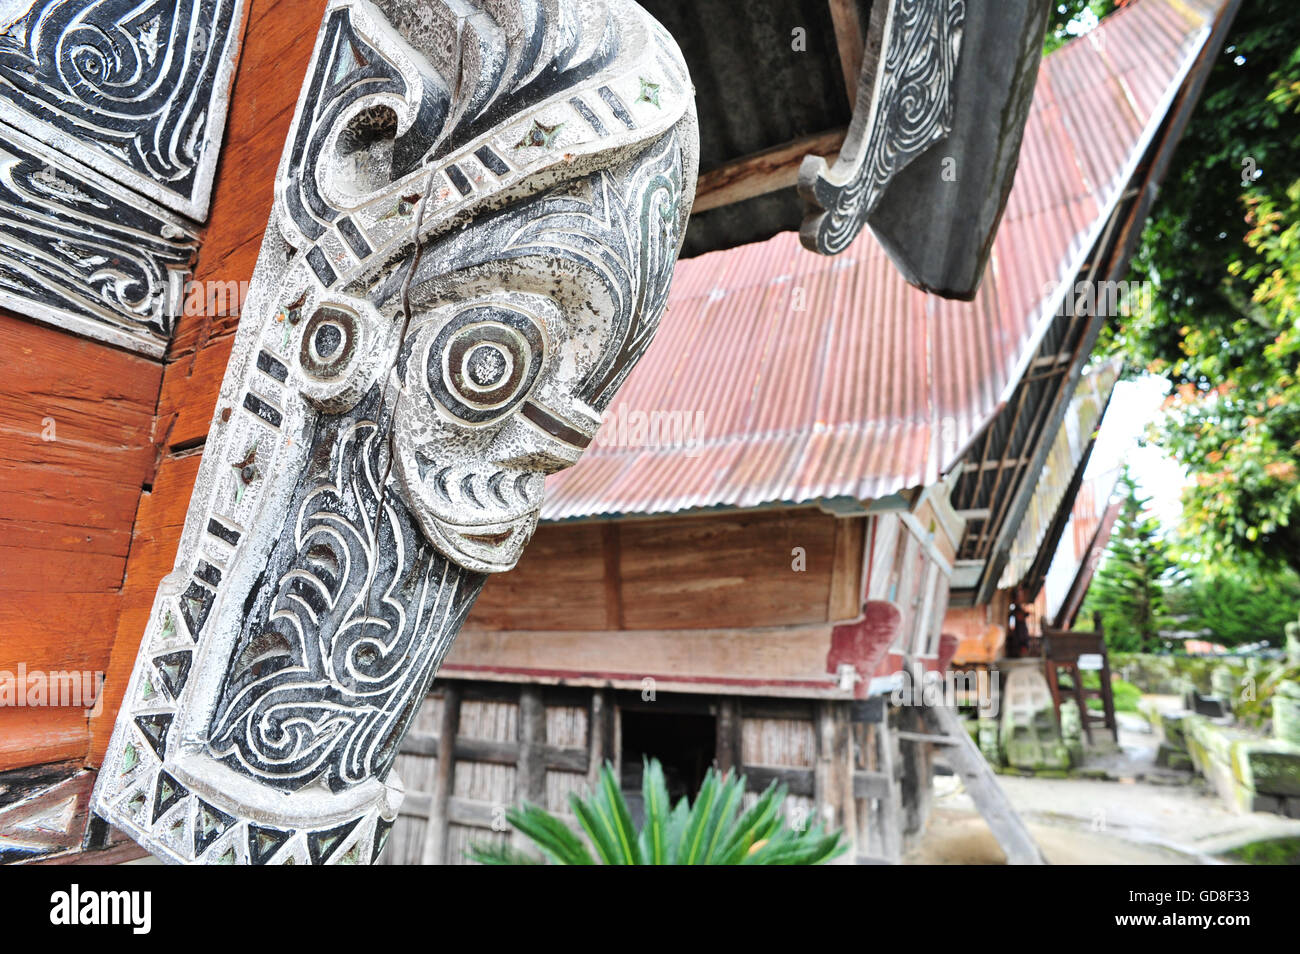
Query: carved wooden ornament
point(477, 215)
point(904, 106)
point(111, 119)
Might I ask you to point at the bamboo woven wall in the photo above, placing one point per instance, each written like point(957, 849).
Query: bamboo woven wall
point(510, 742)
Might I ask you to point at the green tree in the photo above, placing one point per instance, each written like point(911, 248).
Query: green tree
point(1129, 588)
point(712, 831)
point(1071, 18)
point(1222, 250)
point(1236, 605)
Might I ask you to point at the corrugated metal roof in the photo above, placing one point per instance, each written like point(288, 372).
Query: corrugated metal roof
point(805, 377)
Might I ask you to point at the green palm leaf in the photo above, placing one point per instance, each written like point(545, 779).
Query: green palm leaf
point(654, 833)
point(706, 831)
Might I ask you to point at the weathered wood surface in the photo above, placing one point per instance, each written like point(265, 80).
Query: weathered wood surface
point(764, 172)
point(697, 572)
point(543, 743)
point(774, 661)
point(75, 449)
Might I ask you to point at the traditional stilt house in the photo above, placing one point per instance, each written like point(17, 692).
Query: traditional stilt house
point(845, 455)
point(816, 460)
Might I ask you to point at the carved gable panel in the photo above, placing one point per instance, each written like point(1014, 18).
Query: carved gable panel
point(111, 120)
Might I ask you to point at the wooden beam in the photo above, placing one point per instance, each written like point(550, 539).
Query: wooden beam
point(849, 41)
point(833, 788)
point(435, 841)
point(531, 767)
point(982, 786)
point(764, 172)
point(613, 576)
point(869, 785)
point(845, 601)
point(727, 741)
point(598, 735)
point(796, 780)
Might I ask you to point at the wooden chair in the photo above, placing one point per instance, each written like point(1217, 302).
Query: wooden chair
point(1061, 652)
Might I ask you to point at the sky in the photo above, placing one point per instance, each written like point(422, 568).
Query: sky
point(1135, 405)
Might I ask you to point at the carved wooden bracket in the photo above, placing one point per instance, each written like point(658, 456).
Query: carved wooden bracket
point(904, 106)
point(477, 215)
point(931, 153)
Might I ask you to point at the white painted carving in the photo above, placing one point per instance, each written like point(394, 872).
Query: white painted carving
point(904, 106)
point(477, 215)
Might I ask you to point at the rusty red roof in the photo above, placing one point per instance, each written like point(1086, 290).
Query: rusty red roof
point(797, 377)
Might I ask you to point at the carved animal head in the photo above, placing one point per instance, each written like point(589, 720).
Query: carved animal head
point(476, 218)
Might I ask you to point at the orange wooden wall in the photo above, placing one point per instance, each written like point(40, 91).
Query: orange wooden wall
point(727, 570)
point(67, 505)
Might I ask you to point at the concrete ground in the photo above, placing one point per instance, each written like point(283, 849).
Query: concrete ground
point(1140, 815)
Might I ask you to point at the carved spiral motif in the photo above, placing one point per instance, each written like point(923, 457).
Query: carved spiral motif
point(328, 342)
point(331, 657)
point(74, 246)
point(915, 98)
point(129, 78)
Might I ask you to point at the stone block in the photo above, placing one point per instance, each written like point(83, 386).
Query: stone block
point(1266, 766)
point(1286, 712)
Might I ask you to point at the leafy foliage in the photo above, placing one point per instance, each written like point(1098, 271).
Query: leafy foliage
point(1236, 605)
point(712, 831)
point(1129, 589)
point(1222, 250)
point(1070, 18)
point(1124, 694)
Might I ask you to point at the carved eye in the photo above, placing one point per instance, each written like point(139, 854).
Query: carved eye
point(484, 362)
point(328, 342)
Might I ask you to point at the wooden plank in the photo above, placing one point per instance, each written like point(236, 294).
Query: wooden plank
point(702, 572)
point(94, 393)
point(37, 736)
point(833, 775)
point(846, 597)
point(870, 785)
point(498, 752)
point(559, 583)
point(435, 844)
point(727, 741)
point(57, 572)
point(75, 449)
point(924, 738)
point(613, 586)
point(732, 570)
point(982, 786)
point(471, 812)
point(190, 386)
point(530, 773)
point(153, 552)
point(798, 781)
point(114, 855)
point(598, 735)
point(74, 631)
point(917, 779)
point(764, 172)
point(531, 781)
point(774, 661)
point(890, 815)
point(849, 40)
